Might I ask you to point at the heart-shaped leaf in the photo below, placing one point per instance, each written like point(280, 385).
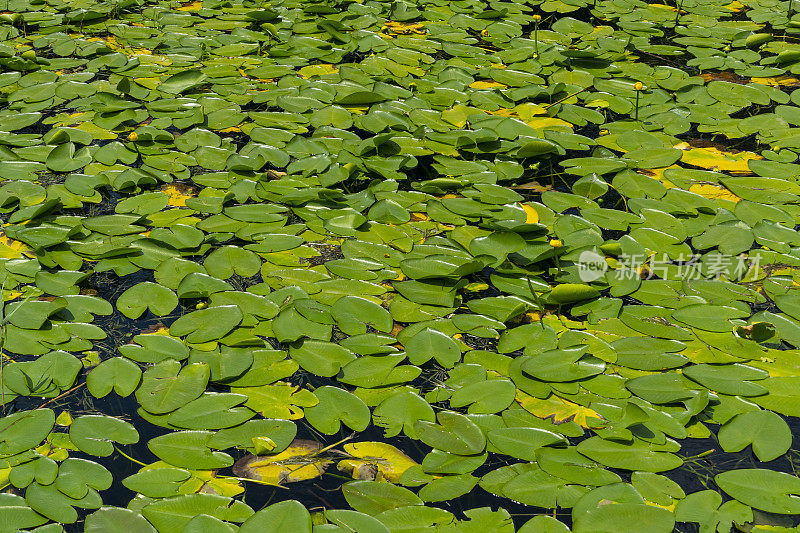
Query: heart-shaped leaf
point(117, 373)
point(93, 434)
point(337, 405)
point(166, 386)
point(766, 431)
point(146, 295)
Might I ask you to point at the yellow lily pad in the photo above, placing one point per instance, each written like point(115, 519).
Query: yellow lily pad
point(713, 192)
point(208, 482)
point(376, 460)
point(664, 6)
point(203, 481)
point(735, 6)
point(11, 249)
point(148, 83)
point(557, 409)
point(457, 115)
point(317, 70)
point(781, 81)
point(191, 6)
point(714, 159)
point(540, 123)
point(279, 400)
point(405, 28)
point(298, 462)
point(96, 131)
point(658, 175)
point(484, 84)
point(177, 194)
point(531, 215)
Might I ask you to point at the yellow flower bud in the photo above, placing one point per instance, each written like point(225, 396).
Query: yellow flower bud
point(537, 18)
point(638, 86)
point(133, 136)
point(555, 243)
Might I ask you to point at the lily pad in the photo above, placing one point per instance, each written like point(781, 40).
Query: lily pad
point(138, 299)
point(766, 431)
point(774, 492)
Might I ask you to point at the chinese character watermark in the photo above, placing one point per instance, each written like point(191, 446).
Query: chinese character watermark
point(593, 266)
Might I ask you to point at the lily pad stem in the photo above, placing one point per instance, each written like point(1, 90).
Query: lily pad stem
point(565, 98)
point(699, 455)
point(76, 387)
point(260, 482)
point(335, 444)
point(536, 299)
point(125, 455)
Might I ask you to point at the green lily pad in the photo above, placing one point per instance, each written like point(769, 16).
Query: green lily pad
point(708, 317)
point(212, 410)
point(400, 412)
point(632, 517)
point(766, 431)
point(76, 477)
point(277, 517)
point(732, 379)
point(226, 261)
point(629, 456)
point(182, 81)
point(154, 349)
point(157, 482)
point(24, 430)
point(113, 517)
point(567, 293)
point(172, 514)
point(429, 344)
point(336, 406)
point(773, 492)
point(143, 296)
point(373, 497)
point(523, 442)
point(207, 324)
point(455, 433)
point(321, 357)
point(353, 315)
point(188, 449)
point(55, 505)
point(490, 396)
point(166, 386)
point(93, 434)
